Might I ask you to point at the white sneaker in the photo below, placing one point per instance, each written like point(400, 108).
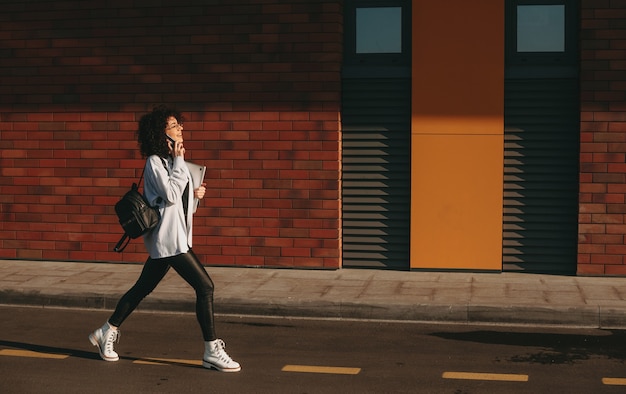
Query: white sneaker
point(104, 337)
point(215, 356)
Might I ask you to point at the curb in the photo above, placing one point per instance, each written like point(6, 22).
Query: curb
point(572, 316)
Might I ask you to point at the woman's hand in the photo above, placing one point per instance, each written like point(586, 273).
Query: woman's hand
point(178, 149)
point(199, 192)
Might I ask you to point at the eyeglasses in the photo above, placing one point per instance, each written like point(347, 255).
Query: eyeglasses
point(173, 126)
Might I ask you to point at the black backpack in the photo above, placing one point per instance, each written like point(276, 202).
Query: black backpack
point(136, 216)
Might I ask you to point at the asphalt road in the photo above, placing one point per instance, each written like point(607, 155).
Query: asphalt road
point(46, 350)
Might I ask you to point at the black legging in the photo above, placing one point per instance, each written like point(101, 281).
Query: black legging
point(191, 270)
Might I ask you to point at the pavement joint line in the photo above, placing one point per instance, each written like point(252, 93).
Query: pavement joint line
point(485, 376)
point(321, 369)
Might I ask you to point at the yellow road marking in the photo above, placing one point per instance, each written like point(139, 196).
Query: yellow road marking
point(320, 369)
point(485, 376)
point(166, 361)
point(32, 354)
point(614, 381)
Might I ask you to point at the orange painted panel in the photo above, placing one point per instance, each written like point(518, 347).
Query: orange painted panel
point(456, 196)
point(458, 66)
point(457, 134)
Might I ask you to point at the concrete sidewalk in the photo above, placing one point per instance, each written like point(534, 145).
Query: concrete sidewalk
point(494, 298)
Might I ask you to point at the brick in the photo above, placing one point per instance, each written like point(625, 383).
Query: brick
point(609, 157)
point(607, 218)
point(593, 167)
point(280, 261)
point(609, 137)
point(617, 43)
point(296, 252)
point(592, 208)
point(606, 259)
point(608, 198)
point(615, 229)
point(593, 147)
point(616, 208)
point(617, 127)
point(607, 239)
point(590, 269)
point(592, 229)
point(609, 178)
point(616, 249)
point(591, 249)
point(616, 188)
point(593, 188)
point(618, 270)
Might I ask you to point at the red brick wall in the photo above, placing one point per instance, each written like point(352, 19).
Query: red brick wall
point(257, 80)
point(602, 224)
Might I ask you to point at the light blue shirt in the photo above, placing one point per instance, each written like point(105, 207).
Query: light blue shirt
point(164, 187)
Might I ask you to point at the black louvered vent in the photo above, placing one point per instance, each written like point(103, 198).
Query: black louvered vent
point(541, 156)
point(376, 150)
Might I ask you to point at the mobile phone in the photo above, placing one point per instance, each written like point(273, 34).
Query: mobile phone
point(172, 140)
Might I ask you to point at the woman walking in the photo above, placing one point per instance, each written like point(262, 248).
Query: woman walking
point(167, 185)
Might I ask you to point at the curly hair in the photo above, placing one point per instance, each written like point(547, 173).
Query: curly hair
point(151, 132)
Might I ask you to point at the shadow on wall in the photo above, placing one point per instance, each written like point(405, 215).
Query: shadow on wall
point(262, 80)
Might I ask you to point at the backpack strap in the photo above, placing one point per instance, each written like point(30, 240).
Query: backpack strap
point(122, 243)
point(141, 177)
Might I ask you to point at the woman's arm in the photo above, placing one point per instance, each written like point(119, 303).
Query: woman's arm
point(169, 187)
